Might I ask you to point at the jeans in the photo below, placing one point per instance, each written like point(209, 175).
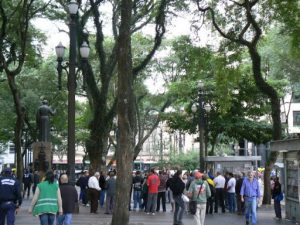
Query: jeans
point(161, 196)
point(102, 197)
point(110, 201)
point(231, 202)
point(151, 203)
point(65, 219)
point(84, 195)
point(240, 205)
point(199, 217)
point(179, 209)
point(250, 208)
point(7, 209)
point(137, 199)
point(277, 208)
point(47, 219)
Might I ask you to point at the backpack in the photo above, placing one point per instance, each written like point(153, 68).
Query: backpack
point(212, 190)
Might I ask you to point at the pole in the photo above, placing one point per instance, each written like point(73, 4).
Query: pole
point(201, 131)
point(161, 145)
point(71, 100)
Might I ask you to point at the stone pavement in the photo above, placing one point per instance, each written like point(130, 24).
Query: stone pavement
point(265, 216)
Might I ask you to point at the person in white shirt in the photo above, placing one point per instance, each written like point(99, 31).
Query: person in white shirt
point(94, 190)
point(231, 193)
point(219, 181)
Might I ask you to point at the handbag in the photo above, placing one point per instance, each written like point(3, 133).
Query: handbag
point(278, 197)
point(193, 203)
point(185, 198)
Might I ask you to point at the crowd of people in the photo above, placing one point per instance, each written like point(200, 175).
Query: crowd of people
point(193, 193)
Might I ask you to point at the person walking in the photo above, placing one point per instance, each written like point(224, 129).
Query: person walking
point(27, 181)
point(219, 181)
point(137, 183)
point(110, 192)
point(277, 196)
point(161, 197)
point(199, 191)
point(250, 193)
point(210, 200)
point(10, 197)
point(36, 180)
point(177, 187)
point(94, 189)
point(153, 183)
point(46, 201)
point(69, 198)
point(82, 182)
point(231, 193)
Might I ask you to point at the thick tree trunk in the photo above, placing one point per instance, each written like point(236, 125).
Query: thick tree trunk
point(97, 143)
point(125, 109)
point(275, 105)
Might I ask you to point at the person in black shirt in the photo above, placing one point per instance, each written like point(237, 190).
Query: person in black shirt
point(10, 197)
point(82, 182)
point(238, 186)
point(27, 181)
point(36, 180)
point(69, 198)
point(177, 187)
point(102, 184)
point(137, 183)
point(275, 193)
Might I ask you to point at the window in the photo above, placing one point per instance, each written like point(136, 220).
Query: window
point(296, 98)
point(11, 148)
point(296, 118)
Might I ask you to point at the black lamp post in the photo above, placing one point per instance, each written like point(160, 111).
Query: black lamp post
point(84, 51)
point(201, 108)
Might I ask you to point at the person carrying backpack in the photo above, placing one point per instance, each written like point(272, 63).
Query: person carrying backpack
point(177, 187)
point(211, 199)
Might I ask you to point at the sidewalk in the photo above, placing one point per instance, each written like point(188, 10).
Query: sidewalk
point(265, 217)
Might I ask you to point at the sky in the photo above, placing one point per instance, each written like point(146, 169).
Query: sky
point(178, 26)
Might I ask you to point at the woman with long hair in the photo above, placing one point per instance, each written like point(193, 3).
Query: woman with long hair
point(46, 201)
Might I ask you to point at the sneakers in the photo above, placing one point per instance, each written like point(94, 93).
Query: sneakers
point(147, 213)
point(153, 214)
point(247, 222)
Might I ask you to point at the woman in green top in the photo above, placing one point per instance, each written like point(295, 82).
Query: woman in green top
point(46, 201)
point(199, 191)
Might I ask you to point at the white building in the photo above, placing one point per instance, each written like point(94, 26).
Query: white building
point(7, 155)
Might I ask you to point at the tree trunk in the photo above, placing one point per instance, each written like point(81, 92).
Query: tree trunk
point(275, 105)
point(20, 112)
point(125, 109)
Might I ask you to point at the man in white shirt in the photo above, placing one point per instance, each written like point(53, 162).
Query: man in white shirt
point(94, 190)
point(219, 181)
point(231, 193)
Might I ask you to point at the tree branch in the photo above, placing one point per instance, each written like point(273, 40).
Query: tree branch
point(160, 30)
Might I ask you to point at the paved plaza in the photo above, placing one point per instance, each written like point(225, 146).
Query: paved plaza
point(265, 216)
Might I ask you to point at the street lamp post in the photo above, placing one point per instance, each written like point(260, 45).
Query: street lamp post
point(201, 108)
point(84, 51)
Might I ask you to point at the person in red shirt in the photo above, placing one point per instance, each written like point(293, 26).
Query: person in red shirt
point(153, 183)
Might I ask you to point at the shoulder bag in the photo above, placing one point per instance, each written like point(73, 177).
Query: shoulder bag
point(193, 203)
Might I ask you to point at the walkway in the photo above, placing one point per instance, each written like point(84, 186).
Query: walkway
point(265, 215)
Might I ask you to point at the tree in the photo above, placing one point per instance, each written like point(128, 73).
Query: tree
point(15, 47)
point(245, 30)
